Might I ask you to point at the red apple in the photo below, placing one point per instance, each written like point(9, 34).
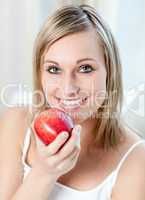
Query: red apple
point(49, 123)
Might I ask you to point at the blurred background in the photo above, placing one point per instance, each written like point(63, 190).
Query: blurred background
point(20, 21)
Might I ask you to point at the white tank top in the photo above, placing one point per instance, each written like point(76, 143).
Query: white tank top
point(62, 192)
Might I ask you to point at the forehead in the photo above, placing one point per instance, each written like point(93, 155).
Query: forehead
point(85, 43)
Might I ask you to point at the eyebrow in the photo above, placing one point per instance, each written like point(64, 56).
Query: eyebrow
point(78, 61)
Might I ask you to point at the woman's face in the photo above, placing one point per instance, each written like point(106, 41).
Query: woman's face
point(73, 74)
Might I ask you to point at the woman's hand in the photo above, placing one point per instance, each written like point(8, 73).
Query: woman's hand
point(56, 159)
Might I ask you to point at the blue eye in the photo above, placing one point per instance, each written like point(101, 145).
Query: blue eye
point(87, 68)
point(83, 68)
point(53, 70)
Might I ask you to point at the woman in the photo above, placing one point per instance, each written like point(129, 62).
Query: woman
point(77, 68)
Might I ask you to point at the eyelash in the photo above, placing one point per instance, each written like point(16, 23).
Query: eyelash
point(53, 67)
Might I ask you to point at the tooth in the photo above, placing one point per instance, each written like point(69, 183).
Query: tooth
point(71, 102)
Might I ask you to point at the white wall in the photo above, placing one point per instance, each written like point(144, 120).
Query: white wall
point(19, 25)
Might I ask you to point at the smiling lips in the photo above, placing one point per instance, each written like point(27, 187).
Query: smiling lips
point(71, 104)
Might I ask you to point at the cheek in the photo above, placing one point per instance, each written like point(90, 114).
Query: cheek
point(49, 83)
point(99, 83)
point(99, 89)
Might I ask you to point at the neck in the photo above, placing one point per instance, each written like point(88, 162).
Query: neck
point(87, 135)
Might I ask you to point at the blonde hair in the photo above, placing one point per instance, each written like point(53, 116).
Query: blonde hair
point(72, 19)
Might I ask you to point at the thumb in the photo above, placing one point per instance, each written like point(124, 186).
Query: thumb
point(77, 132)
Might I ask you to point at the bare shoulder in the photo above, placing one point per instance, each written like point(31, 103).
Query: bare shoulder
point(13, 126)
point(130, 181)
point(21, 111)
point(14, 122)
point(14, 112)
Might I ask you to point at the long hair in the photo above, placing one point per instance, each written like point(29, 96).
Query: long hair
point(72, 19)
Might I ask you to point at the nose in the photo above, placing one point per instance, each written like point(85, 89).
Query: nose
point(71, 91)
point(69, 88)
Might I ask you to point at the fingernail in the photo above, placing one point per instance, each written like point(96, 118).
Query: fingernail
point(64, 134)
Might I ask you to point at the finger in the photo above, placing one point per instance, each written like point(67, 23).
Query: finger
point(53, 161)
point(53, 147)
point(71, 143)
point(69, 160)
point(77, 131)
